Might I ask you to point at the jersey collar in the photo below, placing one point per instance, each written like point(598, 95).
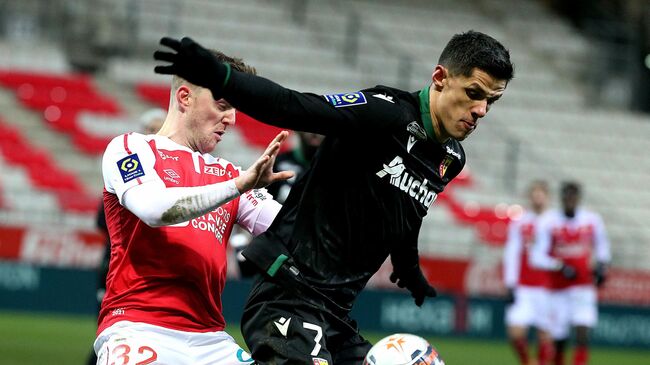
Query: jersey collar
point(425, 111)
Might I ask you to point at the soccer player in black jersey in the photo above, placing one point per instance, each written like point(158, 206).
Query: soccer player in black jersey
point(297, 160)
point(386, 155)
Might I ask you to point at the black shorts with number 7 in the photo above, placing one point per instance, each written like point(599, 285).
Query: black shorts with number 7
point(294, 326)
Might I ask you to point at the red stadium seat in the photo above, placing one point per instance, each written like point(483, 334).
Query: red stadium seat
point(15, 78)
point(257, 134)
point(43, 171)
point(491, 227)
point(90, 144)
point(155, 94)
point(60, 98)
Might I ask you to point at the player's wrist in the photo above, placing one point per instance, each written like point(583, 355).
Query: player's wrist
point(241, 184)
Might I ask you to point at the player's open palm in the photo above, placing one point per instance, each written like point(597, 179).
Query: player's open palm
point(260, 173)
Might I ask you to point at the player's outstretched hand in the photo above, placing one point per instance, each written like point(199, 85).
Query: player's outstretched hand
point(413, 280)
point(260, 173)
point(192, 62)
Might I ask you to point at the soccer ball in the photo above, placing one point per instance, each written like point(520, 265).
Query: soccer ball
point(403, 349)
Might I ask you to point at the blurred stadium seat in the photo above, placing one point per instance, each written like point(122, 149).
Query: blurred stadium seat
point(43, 172)
point(61, 97)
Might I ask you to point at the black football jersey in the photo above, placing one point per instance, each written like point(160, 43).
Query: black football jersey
point(294, 161)
point(370, 184)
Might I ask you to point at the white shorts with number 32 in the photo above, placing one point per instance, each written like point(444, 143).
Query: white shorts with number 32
point(129, 343)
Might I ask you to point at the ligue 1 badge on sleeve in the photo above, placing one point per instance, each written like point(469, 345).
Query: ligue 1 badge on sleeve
point(130, 167)
point(346, 99)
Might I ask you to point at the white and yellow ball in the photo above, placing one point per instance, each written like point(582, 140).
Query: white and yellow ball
point(403, 349)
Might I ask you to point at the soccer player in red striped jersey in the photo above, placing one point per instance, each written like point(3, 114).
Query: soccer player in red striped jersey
point(528, 293)
point(568, 240)
point(170, 207)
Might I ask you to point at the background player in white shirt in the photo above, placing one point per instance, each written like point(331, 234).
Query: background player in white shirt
point(567, 242)
point(170, 208)
point(528, 292)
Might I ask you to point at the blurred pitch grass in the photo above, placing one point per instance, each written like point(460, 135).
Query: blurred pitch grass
point(37, 339)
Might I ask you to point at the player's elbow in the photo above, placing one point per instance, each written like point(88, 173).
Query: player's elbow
point(154, 223)
point(152, 220)
point(149, 216)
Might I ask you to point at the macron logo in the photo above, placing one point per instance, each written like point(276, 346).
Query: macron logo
point(283, 325)
point(385, 97)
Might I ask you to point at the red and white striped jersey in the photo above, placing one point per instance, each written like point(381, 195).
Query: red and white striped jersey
point(571, 241)
point(517, 269)
point(170, 276)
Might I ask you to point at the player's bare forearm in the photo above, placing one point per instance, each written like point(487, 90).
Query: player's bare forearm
point(157, 205)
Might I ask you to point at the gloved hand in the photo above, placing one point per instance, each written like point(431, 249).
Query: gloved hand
point(569, 272)
point(193, 63)
point(413, 280)
point(600, 274)
point(510, 296)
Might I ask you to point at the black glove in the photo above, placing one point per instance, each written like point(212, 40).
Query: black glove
point(569, 272)
point(600, 274)
point(193, 63)
point(413, 280)
point(510, 296)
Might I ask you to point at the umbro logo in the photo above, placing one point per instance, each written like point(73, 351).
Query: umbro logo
point(282, 325)
point(171, 173)
point(172, 176)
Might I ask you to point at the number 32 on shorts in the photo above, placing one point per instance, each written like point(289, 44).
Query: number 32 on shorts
point(124, 354)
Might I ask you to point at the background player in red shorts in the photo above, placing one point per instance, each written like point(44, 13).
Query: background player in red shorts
point(528, 293)
point(567, 241)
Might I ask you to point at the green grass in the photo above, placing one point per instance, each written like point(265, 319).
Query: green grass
point(37, 339)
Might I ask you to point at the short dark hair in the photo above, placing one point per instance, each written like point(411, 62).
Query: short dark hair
point(472, 49)
point(570, 187)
